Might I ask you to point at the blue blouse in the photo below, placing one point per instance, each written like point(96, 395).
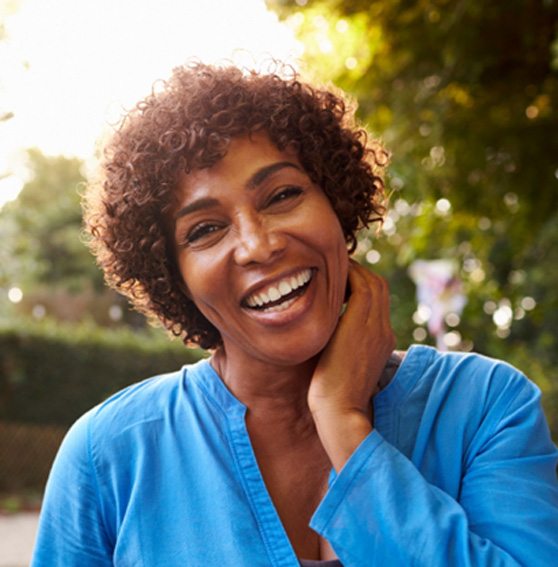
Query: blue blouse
point(459, 470)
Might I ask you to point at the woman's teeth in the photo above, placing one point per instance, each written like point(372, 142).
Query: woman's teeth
point(279, 290)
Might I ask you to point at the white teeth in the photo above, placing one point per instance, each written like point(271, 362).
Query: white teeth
point(278, 290)
point(274, 294)
point(285, 288)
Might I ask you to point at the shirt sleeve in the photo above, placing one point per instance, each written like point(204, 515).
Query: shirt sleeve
point(380, 509)
point(71, 532)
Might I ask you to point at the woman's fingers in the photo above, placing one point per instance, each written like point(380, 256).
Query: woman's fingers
point(370, 296)
point(378, 322)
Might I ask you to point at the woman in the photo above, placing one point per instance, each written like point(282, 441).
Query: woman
point(227, 209)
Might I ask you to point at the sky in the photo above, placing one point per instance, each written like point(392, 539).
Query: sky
point(70, 67)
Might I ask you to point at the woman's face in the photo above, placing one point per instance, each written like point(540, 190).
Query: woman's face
point(262, 253)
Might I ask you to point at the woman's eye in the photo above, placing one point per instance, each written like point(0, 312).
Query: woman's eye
point(201, 231)
point(285, 194)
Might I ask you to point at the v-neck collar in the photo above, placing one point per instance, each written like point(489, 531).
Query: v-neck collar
point(273, 533)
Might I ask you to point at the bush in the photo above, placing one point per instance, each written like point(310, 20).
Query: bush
point(51, 374)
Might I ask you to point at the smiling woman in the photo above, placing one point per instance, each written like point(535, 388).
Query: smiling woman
point(187, 130)
point(227, 209)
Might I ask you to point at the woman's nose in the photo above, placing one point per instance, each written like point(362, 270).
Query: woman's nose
point(257, 242)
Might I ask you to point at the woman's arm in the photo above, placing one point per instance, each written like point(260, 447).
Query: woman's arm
point(71, 528)
point(381, 510)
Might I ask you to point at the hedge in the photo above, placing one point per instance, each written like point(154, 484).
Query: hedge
point(51, 374)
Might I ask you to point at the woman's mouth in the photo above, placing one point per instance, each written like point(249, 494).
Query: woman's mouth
point(281, 294)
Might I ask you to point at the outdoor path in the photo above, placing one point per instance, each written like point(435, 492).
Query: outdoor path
point(17, 535)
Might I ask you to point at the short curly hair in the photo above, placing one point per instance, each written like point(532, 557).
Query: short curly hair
point(187, 123)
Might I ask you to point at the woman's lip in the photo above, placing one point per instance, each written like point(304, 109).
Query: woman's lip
point(297, 309)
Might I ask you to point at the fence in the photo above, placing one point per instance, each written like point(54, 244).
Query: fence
point(26, 455)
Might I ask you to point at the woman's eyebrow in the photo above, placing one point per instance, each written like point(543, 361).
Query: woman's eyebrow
point(263, 173)
point(198, 205)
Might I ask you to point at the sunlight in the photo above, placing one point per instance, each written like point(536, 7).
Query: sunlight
point(71, 66)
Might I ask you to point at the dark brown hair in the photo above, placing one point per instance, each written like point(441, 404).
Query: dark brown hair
point(187, 123)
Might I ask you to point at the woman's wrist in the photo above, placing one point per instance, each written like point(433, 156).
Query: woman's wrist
point(341, 432)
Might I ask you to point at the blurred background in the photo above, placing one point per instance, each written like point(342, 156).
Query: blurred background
point(464, 93)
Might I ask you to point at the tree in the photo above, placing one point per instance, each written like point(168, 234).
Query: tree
point(45, 223)
point(42, 249)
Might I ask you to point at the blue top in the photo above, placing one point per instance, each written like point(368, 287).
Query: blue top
point(459, 470)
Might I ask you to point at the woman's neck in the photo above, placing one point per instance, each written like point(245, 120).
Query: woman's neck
point(274, 391)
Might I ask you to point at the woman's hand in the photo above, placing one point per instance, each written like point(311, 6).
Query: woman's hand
point(346, 376)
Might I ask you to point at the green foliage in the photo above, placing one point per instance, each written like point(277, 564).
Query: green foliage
point(465, 95)
point(40, 230)
point(462, 93)
point(52, 373)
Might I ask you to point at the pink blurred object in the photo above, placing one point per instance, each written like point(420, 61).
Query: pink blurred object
point(439, 289)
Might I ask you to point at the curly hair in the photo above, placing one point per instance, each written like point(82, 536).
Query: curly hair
point(187, 124)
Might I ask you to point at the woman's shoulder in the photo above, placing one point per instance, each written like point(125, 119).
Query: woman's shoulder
point(474, 387)
point(458, 379)
point(148, 401)
point(136, 420)
point(460, 366)
point(466, 399)
point(132, 402)
point(140, 398)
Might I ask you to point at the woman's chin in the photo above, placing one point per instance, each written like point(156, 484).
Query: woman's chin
point(299, 352)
